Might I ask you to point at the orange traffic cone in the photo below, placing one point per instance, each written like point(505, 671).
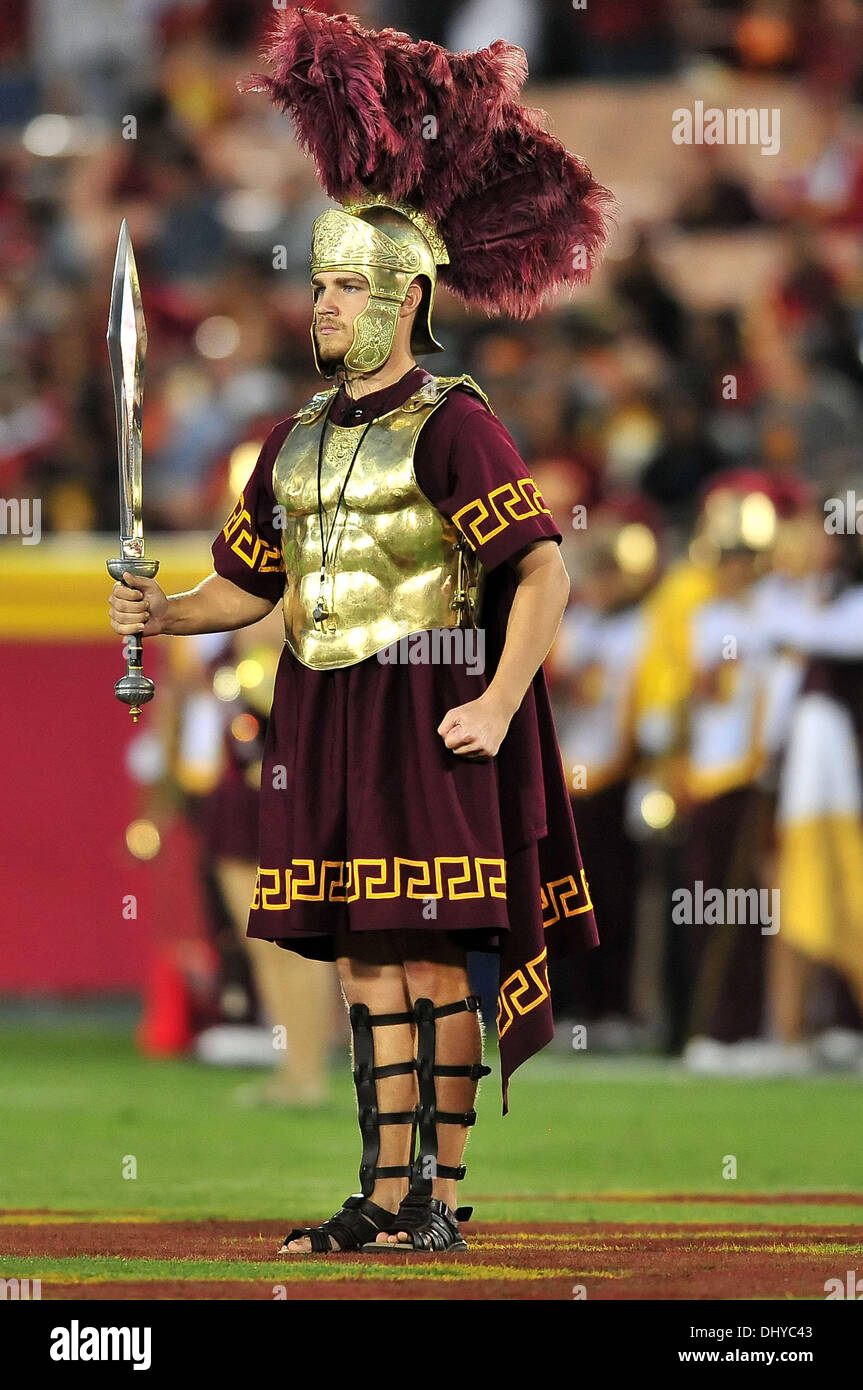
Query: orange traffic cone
point(165, 1028)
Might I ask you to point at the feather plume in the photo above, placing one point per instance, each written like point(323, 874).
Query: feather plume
point(446, 133)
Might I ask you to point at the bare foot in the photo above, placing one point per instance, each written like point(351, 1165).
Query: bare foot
point(445, 1194)
point(392, 1238)
point(303, 1246)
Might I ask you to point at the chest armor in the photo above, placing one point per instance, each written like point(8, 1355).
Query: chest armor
point(395, 564)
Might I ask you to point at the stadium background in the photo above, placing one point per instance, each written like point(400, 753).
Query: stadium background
point(724, 260)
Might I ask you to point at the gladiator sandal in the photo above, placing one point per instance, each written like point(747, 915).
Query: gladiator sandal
point(355, 1222)
point(431, 1225)
point(360, 1219)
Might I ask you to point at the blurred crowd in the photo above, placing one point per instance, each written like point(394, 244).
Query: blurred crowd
point(700, 438)
point(131, 109)
point(710, 713)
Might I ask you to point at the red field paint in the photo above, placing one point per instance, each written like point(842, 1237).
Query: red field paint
point(506, 1260)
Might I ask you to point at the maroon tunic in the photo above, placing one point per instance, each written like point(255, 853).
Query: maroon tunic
point(368, 821)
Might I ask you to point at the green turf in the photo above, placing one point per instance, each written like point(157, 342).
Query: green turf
point(110, 1267)
point(76, 1102)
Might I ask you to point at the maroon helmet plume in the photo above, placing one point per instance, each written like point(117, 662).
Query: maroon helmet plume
point(445, 133)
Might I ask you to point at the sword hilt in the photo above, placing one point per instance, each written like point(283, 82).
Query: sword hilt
point(134, 689)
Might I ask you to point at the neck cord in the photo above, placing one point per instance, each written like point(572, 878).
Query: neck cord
point(320, 608)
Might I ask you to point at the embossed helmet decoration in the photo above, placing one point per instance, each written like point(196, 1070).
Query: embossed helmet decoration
point(438, 168)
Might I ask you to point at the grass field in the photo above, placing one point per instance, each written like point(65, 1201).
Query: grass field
point(606, 1176)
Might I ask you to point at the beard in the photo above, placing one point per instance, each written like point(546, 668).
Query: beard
point(331, 354)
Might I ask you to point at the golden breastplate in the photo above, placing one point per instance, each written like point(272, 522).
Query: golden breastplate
point(395, 564)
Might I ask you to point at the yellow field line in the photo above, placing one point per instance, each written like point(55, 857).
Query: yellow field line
point(370, 1270)
point(47, 1218)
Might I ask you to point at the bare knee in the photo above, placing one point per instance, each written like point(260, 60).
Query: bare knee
point(370, 972)
point(441, 980)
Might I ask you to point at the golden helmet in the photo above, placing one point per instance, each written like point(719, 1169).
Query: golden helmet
point(390, 244)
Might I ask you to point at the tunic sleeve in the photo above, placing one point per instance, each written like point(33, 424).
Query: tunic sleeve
point(468, 466)
point(248, 549)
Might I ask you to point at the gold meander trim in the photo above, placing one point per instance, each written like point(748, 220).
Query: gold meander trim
point(451, 876)
point(239, 532)
point(563, 897)
point(524, 990)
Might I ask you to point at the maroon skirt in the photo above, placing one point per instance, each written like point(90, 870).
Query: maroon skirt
point(367, 821)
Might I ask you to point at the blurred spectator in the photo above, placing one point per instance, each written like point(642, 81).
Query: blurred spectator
point(84, 52)
point(685, 459)
point(720, 199)
point(631, 39)
point(640, 284)
point(477, 23)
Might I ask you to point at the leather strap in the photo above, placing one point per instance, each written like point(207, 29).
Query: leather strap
point(425, 1165)
point(426, 1117)
point(358, 1221)
point(475, 1071)
point(469, 1005)
point(426, 1158)
point(367, 1094)
point(429, 1224)
point(366, 1075)
point(445, 1171)
point(394, 1069)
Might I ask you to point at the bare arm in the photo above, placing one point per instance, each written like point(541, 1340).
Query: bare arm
point(214, 605)
point(477, 729)
point(537, 608)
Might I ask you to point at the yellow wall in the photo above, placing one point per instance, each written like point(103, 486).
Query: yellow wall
point(58, 590)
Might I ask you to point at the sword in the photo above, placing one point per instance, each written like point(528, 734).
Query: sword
point(127, 349)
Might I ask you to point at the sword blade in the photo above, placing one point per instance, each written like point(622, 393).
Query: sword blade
point(127, 350)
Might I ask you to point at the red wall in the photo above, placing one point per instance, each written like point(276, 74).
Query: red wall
point(66, 801)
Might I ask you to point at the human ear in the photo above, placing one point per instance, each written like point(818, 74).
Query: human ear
point(412, 299)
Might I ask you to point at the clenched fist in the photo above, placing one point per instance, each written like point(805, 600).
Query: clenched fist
point(137, 609)
point(475, 730)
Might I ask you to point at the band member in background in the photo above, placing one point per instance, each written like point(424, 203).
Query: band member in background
point(296, 996)
point(594, 672)
point(820, 810)
point(725, 757)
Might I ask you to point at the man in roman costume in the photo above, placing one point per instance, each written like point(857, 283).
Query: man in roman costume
point(410, 809)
